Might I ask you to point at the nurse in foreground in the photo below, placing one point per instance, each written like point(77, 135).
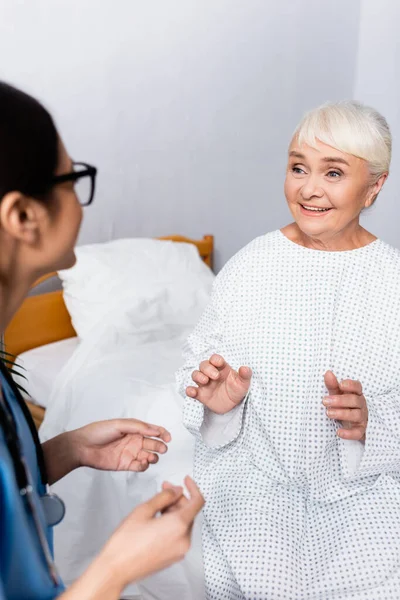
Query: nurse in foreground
point(40, 217)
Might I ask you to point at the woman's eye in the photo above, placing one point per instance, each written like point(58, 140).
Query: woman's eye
point(298, 170)
point(334, 174)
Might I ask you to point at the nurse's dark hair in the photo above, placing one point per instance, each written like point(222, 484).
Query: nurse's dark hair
point(28, 145)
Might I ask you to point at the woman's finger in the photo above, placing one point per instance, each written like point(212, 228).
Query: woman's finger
point(154, 446)
point(191, 391)
point(351, 386)
point(356, 433)
point(344, 401)
point(245, 374)
point(208, 369)
point(218, 361)
point(352, 415)
point(200, 378)
point(332, 384)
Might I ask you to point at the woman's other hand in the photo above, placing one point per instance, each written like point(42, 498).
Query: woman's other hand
point(346, 403)
point(219, 387)
point(120, 444)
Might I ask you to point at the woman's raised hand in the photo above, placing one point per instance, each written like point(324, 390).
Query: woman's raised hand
point(346, 403)
point(219, 387)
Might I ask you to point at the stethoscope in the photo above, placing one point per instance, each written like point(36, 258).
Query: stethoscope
point(53, 506)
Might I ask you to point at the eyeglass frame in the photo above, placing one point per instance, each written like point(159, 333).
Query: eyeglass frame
point(88, 171)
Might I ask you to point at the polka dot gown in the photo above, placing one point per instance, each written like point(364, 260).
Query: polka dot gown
point(292, 511)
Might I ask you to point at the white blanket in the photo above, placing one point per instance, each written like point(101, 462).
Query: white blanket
point(121, 372)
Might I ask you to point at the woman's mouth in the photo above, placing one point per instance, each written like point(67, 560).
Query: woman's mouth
point(314, 211)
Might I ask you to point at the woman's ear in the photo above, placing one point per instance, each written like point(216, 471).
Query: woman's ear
point(21, 217)
point(375, 189)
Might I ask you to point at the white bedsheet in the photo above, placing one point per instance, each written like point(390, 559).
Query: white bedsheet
point(119, 372)
point(42, 366)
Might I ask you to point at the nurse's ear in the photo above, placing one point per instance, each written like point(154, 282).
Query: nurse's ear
point(22, 217)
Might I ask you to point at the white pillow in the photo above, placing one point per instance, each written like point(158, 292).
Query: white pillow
point(41, 367)
point(157, 282)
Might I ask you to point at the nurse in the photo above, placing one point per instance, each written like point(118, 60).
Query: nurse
point(40, 217)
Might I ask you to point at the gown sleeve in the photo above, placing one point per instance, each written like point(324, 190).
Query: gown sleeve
point(380, 453)
point(215, 431)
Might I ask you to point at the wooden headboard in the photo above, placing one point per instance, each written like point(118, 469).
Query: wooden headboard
point(44, 319)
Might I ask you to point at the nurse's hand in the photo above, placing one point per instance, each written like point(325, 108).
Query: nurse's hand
point(116, 445)
point(120, 445)
point(154, 536)
point(346, 403)
point(219, 387)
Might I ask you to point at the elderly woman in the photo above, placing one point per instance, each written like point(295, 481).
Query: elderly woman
point(298, 452)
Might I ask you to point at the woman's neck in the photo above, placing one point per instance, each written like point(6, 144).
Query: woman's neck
point(351, 239)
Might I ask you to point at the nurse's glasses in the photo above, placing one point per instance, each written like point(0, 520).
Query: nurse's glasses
point(84, 177)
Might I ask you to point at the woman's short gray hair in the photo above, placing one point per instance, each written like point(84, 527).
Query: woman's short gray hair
point(349, 127)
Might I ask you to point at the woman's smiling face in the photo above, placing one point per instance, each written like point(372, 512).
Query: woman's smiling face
point(327, 189)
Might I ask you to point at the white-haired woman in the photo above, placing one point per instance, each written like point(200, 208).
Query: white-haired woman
point(298, 451)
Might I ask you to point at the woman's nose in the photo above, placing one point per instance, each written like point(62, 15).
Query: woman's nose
point(311, 189)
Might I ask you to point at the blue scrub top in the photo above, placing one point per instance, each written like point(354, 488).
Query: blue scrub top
point(24, 573)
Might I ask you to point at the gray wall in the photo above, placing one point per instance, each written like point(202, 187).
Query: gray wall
point(185, 106)
point(378, 83)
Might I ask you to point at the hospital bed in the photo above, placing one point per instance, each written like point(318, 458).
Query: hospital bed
point(43, 338)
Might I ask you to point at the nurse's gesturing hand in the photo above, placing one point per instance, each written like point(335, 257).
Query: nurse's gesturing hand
point(115, 445)
point(148, 541)
point(121, 444)
point(219, 387)
point(154, 536)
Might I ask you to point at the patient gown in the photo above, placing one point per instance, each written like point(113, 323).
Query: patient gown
point(292, 511)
